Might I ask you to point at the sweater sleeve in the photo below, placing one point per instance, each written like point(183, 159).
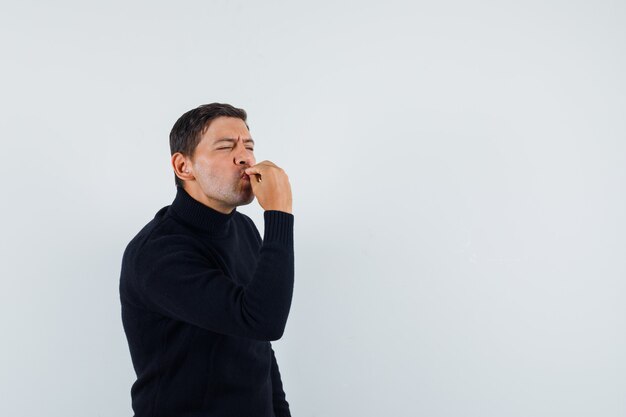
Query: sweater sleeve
point(281, 406)
point(179, 281)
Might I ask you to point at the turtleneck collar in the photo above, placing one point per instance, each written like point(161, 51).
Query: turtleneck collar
point(198, 214)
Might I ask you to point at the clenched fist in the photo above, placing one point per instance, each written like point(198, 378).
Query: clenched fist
point(270, 186)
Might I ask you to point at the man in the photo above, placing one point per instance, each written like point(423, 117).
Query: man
point(202, 295)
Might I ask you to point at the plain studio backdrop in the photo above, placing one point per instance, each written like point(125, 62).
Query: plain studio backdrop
point(458, 173)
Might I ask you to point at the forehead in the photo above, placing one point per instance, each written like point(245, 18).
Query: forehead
point(225, 127)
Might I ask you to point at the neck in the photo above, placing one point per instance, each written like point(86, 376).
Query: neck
point(200, 215)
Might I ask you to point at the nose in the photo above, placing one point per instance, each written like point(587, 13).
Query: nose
point(243, 156)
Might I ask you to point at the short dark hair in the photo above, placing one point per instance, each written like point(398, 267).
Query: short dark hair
point(189, 128)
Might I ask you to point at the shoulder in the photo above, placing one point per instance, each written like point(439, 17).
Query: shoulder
point(161, 237)
point(168, 237)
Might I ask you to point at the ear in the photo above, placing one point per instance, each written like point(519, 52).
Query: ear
point(182, 167)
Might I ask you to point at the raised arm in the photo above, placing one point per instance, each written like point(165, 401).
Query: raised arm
point(177, 280)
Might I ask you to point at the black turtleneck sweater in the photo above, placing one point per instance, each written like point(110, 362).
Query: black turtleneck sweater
point(202, 296)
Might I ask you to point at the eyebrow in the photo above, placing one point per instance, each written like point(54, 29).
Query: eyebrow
point(248, 140)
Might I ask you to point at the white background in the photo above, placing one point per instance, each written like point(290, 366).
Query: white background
point(458, 171)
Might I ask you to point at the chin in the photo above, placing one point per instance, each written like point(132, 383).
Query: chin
point(241, 200)
point(246, 202)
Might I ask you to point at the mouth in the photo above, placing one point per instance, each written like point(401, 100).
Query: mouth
point(245, 177)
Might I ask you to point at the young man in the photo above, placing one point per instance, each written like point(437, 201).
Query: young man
point(202, 294)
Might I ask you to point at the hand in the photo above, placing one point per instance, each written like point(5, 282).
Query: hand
point(270, 185)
